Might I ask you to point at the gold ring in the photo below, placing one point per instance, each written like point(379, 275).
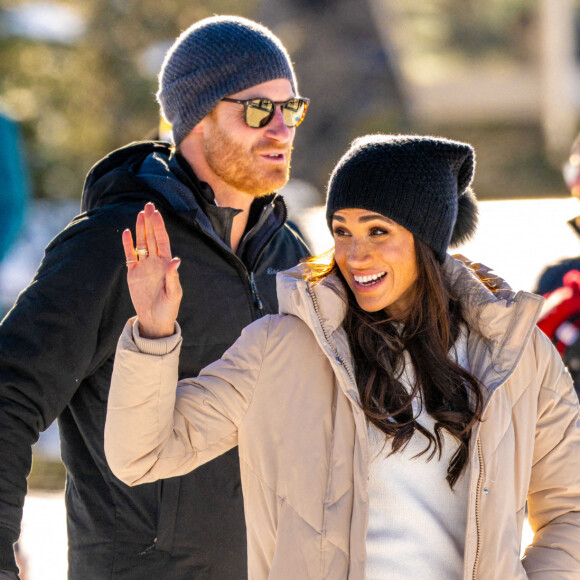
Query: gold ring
point(130, 262)
point(142, 251)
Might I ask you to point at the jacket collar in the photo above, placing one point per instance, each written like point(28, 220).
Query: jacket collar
point(294, 297)
point(150, 171)
point(500, 320)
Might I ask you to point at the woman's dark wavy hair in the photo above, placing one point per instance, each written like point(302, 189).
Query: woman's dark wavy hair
point(449, 393)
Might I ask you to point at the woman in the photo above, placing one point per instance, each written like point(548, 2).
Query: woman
point(393, 420)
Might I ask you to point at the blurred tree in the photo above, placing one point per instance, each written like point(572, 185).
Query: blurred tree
point(468, 28)
point(82, 96)
point(486, 27)
point(79, 101)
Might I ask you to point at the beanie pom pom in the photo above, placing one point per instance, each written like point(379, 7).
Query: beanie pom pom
point(467, 218)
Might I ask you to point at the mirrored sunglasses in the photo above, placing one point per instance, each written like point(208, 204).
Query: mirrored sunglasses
point(259, 112)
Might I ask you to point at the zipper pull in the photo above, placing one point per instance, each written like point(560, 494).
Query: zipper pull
point(255, 294)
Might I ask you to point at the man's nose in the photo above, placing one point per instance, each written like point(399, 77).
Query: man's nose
point(276, 129)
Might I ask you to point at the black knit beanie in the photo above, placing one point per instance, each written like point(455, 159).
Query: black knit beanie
point(422, 183)
point(214, 58)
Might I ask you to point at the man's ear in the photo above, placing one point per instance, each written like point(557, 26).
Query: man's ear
point(198, 129)
point(191, 142)
point(202, 125)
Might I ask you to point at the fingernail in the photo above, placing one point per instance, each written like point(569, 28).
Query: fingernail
point(178, 263)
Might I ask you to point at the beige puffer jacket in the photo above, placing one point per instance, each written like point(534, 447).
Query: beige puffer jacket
point(284, 392)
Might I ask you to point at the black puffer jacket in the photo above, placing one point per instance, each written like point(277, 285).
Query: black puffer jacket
point(56, 356)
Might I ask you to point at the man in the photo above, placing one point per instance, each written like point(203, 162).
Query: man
point(228, 88)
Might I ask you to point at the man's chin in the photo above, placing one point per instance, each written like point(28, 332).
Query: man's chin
point(272, 183)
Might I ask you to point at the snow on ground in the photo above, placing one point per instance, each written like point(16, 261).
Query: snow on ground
point(43, 538)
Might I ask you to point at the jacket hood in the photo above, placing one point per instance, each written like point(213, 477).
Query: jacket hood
point(294, 298)
point(503, 318)
point(490, 306)
point(115, 178)
point(149, 171)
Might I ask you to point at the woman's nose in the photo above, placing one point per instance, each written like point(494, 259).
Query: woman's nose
point(359, 254)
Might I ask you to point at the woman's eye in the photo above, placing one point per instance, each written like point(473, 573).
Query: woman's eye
point(379, 232)
point(339, 232)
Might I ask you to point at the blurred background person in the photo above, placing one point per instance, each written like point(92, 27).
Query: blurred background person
point(560, 284)
point(14, 182)
point(560, 320)
point(552, 277)
point(14, 196)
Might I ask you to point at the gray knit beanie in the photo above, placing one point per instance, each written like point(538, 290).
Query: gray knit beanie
point(422, 183)
point(214, 58)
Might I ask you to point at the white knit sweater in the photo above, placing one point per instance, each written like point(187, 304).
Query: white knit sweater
point(417, 522)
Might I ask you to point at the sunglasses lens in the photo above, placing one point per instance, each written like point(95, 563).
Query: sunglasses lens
point(259, 112)
point(294, 111)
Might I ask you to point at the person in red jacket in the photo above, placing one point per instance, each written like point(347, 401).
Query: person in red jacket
point(561, 322)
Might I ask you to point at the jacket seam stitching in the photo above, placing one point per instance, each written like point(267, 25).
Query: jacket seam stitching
point(282, 498)
point(259, 374)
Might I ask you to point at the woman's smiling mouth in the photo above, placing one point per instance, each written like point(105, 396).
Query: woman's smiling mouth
point(370, 280)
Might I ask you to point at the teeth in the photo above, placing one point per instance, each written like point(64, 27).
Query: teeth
point(369, 279)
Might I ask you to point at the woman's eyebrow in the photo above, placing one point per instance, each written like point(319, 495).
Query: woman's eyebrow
point(366, 218)
point(376, 216)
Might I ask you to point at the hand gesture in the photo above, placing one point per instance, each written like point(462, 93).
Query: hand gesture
point(152, 275)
